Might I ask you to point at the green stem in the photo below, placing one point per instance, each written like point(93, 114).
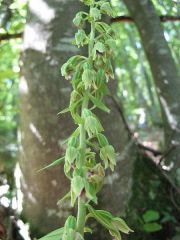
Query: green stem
point(81, 216)
point(81, 201)
point(92, 36)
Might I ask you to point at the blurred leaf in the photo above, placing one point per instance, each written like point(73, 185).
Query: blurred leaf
point(151, 215)
point(152, 227)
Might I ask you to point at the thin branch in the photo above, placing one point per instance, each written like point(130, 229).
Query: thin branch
point(154, 151)
point(166, 153)
point(173, 201)
point(163, 18)
point(130, 133)
point(150, 152)
point(165, 175)
point(8, 36)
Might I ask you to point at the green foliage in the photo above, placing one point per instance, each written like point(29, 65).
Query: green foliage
point(150, 217)
point(152, 227)
point(12, 16)
point(113, 224)
point(150, 210)
point(88, 76)
point(136, 90)
point(12, 19)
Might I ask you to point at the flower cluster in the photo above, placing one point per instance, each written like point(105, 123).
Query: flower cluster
point(89, 77)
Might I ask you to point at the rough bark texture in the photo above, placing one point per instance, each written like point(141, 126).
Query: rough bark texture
point(163, 69)
point(47, 45)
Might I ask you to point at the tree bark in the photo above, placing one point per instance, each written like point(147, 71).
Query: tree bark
point(164, 72)
point(47, 45)
point(43, 92)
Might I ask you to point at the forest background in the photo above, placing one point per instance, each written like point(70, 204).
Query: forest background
point(35, 40)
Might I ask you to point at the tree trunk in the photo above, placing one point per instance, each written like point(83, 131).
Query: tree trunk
point(43, 92)
point(164, 72)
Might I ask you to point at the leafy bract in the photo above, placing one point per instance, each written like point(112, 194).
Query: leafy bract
point(115, 225)
point(53, 164)
point(54, 235)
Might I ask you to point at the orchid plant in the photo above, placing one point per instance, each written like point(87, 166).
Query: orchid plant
point(88, 77)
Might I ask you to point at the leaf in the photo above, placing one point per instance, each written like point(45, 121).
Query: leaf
point(87, 113)
point(73, 198)
point(151, 215)
point(77, 185)
point(69, 234)
point(71, 154)
point(99, 104)
point(105, 214)
point(70, 223)
point(115, 234)
point(101, 218)
point(64, 111)
point(90, 192)
point(77, 118)
point(152, 227)
point(102, 140)
point(66, 196)
point(113, 224)
point(54, 235)
point(74, 134)
point(72, 141)
point(70, 108)
point(88, 230)
point(121, 225)
point(102, 27)
point(53, 164)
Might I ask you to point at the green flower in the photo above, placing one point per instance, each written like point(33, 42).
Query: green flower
point(92, 126)
point(79, 19)
point(71, 154)
point(108, 155)
point(95, 13)
point(81, 38)
point(89, 78)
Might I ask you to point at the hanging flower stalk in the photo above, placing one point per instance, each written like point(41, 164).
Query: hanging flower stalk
point(88, 77)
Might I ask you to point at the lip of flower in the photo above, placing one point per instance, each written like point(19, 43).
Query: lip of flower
point(73, 165)
point(90, 173)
